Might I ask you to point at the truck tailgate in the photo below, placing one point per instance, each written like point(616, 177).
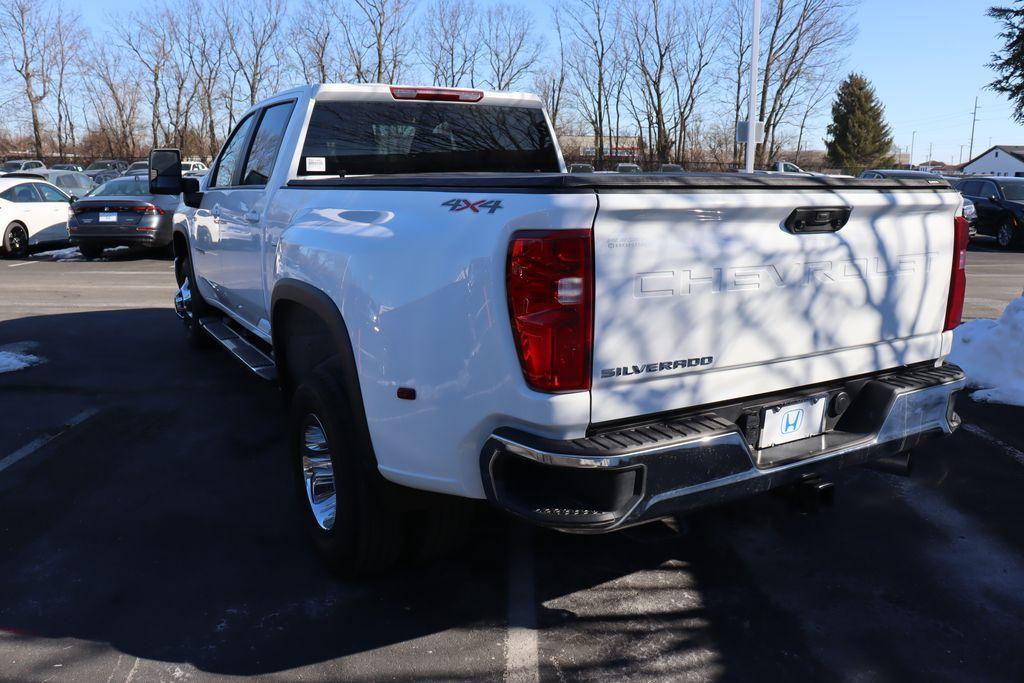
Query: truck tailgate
point(706, 296)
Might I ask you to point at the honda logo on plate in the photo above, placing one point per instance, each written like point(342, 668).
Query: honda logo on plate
point(792, 420)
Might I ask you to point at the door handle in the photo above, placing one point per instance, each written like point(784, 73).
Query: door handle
point(252, 216)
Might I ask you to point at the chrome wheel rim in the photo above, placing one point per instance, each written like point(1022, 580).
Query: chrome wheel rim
point(183, 301)
point(318, 472)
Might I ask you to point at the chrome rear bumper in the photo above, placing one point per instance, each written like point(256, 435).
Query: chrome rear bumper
point(624, 476)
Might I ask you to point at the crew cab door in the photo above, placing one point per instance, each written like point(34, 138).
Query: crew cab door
point(231, 222)
point(218, 222)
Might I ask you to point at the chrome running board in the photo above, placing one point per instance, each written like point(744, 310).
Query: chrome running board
point(254, 358)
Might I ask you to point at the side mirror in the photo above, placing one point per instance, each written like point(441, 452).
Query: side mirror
point(165, 171)
point(993, 198)
point(72, 199)
point(190, 193)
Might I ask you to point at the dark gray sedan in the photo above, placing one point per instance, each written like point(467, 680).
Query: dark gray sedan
point(121, 212)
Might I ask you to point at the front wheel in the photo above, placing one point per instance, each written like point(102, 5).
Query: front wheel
point(1005, 235)
point(189, 303)
point(15, 241)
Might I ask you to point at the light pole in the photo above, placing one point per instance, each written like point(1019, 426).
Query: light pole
point(912, 149)
point(755, 46)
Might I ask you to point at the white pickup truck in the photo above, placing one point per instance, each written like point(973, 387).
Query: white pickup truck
point(449, 312)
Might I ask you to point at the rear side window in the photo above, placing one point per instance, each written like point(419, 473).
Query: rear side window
point(970, 188)
point(21, 193)
point(265, 144)
point(231, 155)
point(356, 138)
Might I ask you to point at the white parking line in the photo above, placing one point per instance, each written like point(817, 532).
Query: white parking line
point(37, 443)
point(521, 639)
point(1013, 452)
point(23, 263)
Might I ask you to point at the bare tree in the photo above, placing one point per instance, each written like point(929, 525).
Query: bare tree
point(655, 32)
point(66, 38)
point(804, 37)
point(594, 27)
point(737, 30)
point(179, 82)
point(451, 44)
point(550, 80)
point(206, 56)
point(26, 30)
point(313, 40)
point(374, 38)
point(690, 65)
point(510, 45)
point(148, 42)
point(115, 97)
point(252, 31)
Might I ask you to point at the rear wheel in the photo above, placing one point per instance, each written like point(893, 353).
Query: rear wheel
point(189, 303)
point(1005, 234)
point(90, 252)
point(15, 243)
point(354, 517)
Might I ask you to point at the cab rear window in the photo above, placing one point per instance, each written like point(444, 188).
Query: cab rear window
point(362, 138)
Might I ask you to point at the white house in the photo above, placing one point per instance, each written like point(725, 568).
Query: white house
point(1005, 160)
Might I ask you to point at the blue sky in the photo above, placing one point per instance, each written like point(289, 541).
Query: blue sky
point(926, 59)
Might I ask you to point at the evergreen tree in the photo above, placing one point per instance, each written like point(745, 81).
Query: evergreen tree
point(859, 137)
point(1009, 62)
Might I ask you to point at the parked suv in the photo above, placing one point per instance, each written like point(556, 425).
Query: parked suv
point(15, 165)
point(999, 206)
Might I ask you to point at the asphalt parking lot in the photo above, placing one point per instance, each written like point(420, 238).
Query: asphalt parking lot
point(148, 532)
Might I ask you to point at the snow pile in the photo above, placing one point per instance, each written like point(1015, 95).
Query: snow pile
point(991, 352)
point(66, 254)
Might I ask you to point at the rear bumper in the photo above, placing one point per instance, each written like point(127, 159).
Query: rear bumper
point(637, 473)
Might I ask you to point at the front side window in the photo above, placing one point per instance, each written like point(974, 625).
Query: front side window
point(231, 155)
point(265, 144)
point(1013, 191)
point(357, 138)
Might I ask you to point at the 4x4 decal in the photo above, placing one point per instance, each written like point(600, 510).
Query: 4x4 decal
point(491, 205)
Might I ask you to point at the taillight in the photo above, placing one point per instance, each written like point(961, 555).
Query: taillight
point(550, 283)
point(958, 278)
point(437, 94)
point(144, 209)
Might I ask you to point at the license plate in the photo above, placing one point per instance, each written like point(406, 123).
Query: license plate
point(108, 218)
point(792, 421)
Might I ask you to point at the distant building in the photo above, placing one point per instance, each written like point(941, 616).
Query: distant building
point(1006, 160)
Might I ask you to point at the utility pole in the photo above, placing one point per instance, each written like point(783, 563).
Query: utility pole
point(961, 154)
point(929, 160)
point(912, 137)
point(755, 46)
point(974, 120)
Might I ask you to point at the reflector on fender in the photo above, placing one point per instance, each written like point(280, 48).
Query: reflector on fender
point(437, 94)
point(550, 285)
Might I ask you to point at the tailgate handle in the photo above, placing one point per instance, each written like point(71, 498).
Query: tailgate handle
point(813, 219)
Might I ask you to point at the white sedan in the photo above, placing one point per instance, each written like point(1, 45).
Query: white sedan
point(32, 211)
